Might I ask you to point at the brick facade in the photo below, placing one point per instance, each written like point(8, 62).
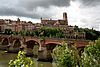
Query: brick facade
point(18, 26)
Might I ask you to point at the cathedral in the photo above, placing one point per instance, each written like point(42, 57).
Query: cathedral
point(56, 23)
point(69, 30)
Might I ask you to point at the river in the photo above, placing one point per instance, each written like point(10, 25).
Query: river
point(6, 57)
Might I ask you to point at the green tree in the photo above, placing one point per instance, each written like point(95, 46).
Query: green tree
point(90, 34)
point(24, 33)
point(65, 57)
point(8, 31)
point(22, 61)
point(51, 32)
point(91, 55)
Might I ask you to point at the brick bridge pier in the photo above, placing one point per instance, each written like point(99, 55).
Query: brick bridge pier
point(27, 43)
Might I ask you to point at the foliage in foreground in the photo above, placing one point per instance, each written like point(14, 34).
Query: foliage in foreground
point(65, 57)
point(22, 61)
point(69, 57)
point(91, 55)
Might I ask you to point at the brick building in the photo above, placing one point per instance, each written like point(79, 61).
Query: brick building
point(63, 24)
point(18, 26)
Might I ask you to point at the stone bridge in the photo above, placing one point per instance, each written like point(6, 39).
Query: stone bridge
point(13, 43)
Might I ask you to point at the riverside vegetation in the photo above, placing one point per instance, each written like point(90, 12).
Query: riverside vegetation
point(90, 34)
point(65, 57)
point(62, 55)
point(69, 57)
point(22, 61)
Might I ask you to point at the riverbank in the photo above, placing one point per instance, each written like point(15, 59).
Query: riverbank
point(6, 57)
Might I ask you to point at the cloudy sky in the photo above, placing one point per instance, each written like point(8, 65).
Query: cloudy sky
point(84, 13)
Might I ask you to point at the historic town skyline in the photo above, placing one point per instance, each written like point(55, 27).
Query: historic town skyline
point(80, 12)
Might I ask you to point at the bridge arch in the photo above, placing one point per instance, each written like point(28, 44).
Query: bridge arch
point(51, 46)
point(5, 41)
point(30, 46)
point(47, 52)
point(31, 43)
point(16, 43)
point(0, 38)
point(11, 39)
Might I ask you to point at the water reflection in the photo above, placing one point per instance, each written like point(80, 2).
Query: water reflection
point(43, 64)
point(6, 57)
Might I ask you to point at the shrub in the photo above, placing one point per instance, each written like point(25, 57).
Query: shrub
point(22, 61)
point(65, 57)
point(91, 55)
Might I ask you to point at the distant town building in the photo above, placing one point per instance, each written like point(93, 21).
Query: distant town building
point(18, 26)
point(63, 24)
point(57, 23)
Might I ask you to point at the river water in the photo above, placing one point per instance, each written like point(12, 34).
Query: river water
point(6, 57)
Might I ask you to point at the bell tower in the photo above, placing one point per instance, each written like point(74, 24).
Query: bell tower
point(65, 18)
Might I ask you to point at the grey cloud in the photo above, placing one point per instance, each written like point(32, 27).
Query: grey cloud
point(12, 12)
point(90, 2)
point(16, 12)
point(31, 4)
point(26, 8)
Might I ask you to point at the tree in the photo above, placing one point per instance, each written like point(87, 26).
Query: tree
point(22, 61)
point(90, 34)
point(65, 57)
point(69, 57)
point(91, 55)
point(8, 31)
point(24, 33)
point(51, 32)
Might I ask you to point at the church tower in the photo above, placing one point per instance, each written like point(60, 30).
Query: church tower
point(65, 18)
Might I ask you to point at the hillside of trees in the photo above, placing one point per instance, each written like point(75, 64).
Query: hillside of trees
point(90, 34)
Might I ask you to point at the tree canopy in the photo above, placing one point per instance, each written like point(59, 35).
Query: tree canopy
point(90, 34)
point(44, 32)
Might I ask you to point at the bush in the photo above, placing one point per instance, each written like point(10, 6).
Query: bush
point(91, 55)
point(22, 61)
point(69, 57)
point(65, 57)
